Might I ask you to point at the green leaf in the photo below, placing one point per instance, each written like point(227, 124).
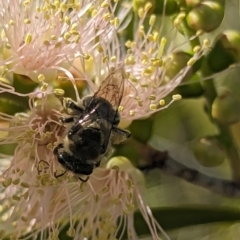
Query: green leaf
point(183, 216)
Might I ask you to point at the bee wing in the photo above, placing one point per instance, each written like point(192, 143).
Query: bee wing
point(112, 88)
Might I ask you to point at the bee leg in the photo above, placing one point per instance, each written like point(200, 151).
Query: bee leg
point(83, 180)
point(66, 120)
point(74, 108)
point(119, 135)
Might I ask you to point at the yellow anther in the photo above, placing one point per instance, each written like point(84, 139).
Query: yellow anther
point(15, 197)
point(24, 185)
point(155, 36)
point(67, 35)
point(94, 13)
point(46, 43)
point(152, 97)
point(129, 183)
point(74, 27)
point(206, 43)
point(28, 38)
point(130, 60)
point(58, 92)
point(63, 7)
point(26, 2)
point(176, 97)
point(113, 59)
point(58, 45)
point(105, 4)
point(148, 70)
point(41, 77)
point(150, 37)
point(105, 189)
point(156, 62)
point(147, 6)
point(199, 33)
point(67, 20)
point(40, 192)
point(179, 19)
point(131, 113)
point(140, 12)
point(153, 107)
point(25, 195)
point(11, 22)
point(86, 56)
point(152, 20)
point(16, 181)
point(161, 47)
point(107, 16)
point(105, 59)
point(162, 102)
point(100, 49)
point(116, 21)
point(120, 108)
point(7, 182)
point(191, 61)
point(53, 37)
point(77, 39)
point(27, 21)
point(196, 49)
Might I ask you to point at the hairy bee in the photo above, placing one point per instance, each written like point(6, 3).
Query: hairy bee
point(94, 127)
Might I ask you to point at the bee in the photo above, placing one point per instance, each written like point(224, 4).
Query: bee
point(93, 128)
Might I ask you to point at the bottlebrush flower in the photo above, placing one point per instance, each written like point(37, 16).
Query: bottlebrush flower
point(35, 202)
point(39, 39)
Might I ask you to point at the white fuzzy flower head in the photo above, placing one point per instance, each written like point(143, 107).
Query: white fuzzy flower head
point(35, 202)
point(40, 36)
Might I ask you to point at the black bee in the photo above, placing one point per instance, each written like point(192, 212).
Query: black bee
point(93, 127)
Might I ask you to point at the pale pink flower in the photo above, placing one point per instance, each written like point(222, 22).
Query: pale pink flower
point(46, 40)
point(35, 202)
point(41, 37)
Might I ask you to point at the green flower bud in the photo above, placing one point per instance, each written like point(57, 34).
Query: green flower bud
point(192, 3)
point(206, 16)
point(233, 43)
point(178, 61)
point(225, 51)
point(208, 152)
point(192, 88)
point(225, 108)
point(142, 129)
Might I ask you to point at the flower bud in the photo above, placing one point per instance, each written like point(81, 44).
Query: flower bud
point(178, 61)
point(225, 52)
point(206, 16)
point(193, 3)
point(208, 152)
point(125, 165)
point(225, 108)
point(142, 129)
